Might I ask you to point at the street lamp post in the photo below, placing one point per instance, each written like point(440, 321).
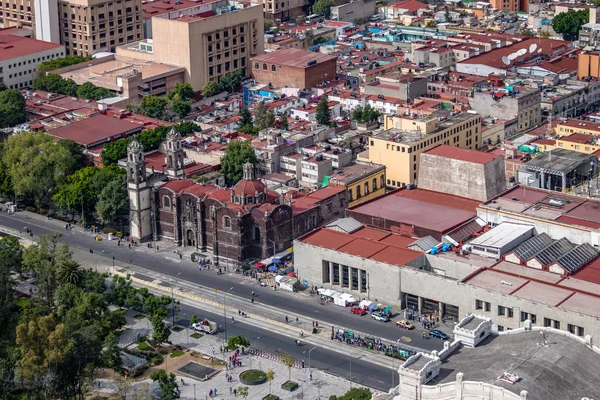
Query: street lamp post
point(259, 345)
point(187, 332)
point(309, 357)
point(173, 297)
point(350, 372)
point(225, 312)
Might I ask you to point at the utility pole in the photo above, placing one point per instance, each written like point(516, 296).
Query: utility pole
point(173, 298)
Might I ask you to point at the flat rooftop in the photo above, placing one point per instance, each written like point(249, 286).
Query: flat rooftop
point(105, 74)
point(502, 235)
point(439, 212)
point(559, 160)
point(96, 130)
point(353, 172)
point(456, 153)
point(296, 58)
point(536, 203)
point(14, 46)
point(562, 369)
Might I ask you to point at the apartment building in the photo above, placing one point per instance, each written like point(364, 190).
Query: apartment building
point(510, 5)
point(90, 26)
point(282, 10)
point(363, 182)
point(399, 147)
point(209, 40)
point(20, 56)
point(16, 13)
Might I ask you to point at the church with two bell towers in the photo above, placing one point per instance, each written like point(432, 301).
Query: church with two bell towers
point(245, 221)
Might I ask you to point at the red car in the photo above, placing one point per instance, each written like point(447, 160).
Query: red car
point(358, 311)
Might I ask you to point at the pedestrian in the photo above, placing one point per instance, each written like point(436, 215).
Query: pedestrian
point(310, 376)
point(230, 390)
point(234, 392)
point(297, 320)
point(302, 364)
point(157, 248)
point(129, 244)
point(180, 256)
point(317, 324)
point(215, 391)
point(286, 319)
point(239, 312)
point(313, 324)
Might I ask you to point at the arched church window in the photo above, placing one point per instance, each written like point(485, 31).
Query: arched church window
point(227, 222)
point(166, 202)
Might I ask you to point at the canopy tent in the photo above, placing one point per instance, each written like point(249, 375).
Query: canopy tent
point(365, 304)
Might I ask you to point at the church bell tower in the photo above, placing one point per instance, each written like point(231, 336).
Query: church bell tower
point(174, 153)
point(140, 192)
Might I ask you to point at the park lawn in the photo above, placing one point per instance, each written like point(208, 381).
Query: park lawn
point(143, 346)
point(177, 353)
point(22, 302)
point(196, 335)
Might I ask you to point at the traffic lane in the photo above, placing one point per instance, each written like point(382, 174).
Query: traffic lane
point(168, 264)
point(365, 373)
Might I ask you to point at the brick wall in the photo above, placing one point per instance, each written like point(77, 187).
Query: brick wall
point(304, 78)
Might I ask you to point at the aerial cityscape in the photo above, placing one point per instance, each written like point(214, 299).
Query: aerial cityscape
point(320, 199)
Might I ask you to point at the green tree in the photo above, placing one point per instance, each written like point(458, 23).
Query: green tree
point(90, 91)
point(33, 339)
point(322, 7)
point(319, 40)
point(78, 194)
point(114, 151)
point(12, 108)
point(260, 116)
point(69, 271)
point(133, 300)
point(75, 152)
point(237, 341)
point(194, 319)
point(3, 87)
point(354, 394)
point(544, 34)
point(569, 24)
point(323, 113)
point(113, 200)
point(181, 107)
point(66, 297)
point(243, 391)
point(187, 128)
point(154, 107)
point(246, 117)
point(232, 81)
point(61, 63)
point(54, 83)
point(36, 165)
point(270, 377)
point(167, 383)
point(111, 355)
point(283, 120)
point(269, 119)
point(232, 163)
point(120, 287)
point(268, 24)
point(211, 88)
point(300, 20)
point(160, 332)
point(288, 360)
point(182, 91)
point(10, 258)
point(366, 114)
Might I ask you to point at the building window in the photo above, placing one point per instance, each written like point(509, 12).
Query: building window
point(350, 194)
point(523, 316)
point(345, 277)
point(358, 194)
point(354, 279)
point(509, 312)
point(501, 310)
point(363, 278)
point(257, 233)
point(264, 67)
point(336, 273)
point(255, 65)
point(366, 188)
point(166, 202)
point(227, 222)
point(374, 184)
point(273, 68)
point(478, 305)
point(488, 307)
point(500, 328)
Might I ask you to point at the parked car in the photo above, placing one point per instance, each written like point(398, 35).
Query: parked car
point(358, 311)
point(439, 334)
point(379, 316)
point(404, 324)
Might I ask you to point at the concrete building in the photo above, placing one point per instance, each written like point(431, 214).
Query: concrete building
point(213, 39)
point(282, 10)
point(363, 182)
point(20, 56)
point(460, 172)
point(556, 214)
point(46, 21)
point(558, 169)
point(500, 240)
point(354, 10)
point(16, 13)
point(397, 86)
point(314, 169)
point(90, 26)
point(294, 68)
point(588, 64)
point(130, 78)
point(510, 5)
point(523, 104)
point(399, 147)
point(448, 285)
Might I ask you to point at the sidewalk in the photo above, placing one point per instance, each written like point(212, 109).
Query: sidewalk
point(321, 386)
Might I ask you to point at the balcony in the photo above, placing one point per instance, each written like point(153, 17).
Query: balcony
point(144, 86)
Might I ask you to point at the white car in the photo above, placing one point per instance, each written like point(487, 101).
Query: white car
point(380, 317)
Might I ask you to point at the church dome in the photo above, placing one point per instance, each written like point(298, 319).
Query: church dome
point(248, 188)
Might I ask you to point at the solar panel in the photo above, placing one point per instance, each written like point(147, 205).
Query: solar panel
point(532, 246)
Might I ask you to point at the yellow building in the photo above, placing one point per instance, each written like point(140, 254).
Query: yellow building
point(571, 126)
point(405, 138)
point(363, 182)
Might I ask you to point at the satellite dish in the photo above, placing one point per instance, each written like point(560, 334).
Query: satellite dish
point(539, 51)
point(521, 52)
point(532, 47)
point(505, 60)
point(512, 56)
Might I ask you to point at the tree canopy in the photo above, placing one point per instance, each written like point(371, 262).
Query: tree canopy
point(231, 81)
point(154, 106)
point(322, 7)
point(211, 88)
point(323, 113)
point(366, 114)
point(354, 394)
point(61, 63)
point(568, 24)
point(232, 163)
point(55, 83)
point(12, 108)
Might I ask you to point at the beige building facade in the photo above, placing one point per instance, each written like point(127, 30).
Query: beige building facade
point(209, 40)
point(90, 26)
point(282, 10)
point(16, 13)
point(399, 147)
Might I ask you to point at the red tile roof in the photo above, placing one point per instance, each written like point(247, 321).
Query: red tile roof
point(12, 46)
point(493, 58)
point(410, 5)
point(456, 153)
point(96, 129)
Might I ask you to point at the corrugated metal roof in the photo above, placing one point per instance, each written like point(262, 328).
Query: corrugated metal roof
point(553, 252)
point(348, 225)
point(425, 243)
point(465, 231)
point(502, 235)
point(577, 258)
point(532, 246)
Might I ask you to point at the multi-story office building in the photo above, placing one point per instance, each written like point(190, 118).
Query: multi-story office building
point(405, 138)
point(282, 10)
point(90, 26)
point(209, 40)
point(16, 13)
point(20, 56)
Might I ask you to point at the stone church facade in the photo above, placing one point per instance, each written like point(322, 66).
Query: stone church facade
point(245, 221)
